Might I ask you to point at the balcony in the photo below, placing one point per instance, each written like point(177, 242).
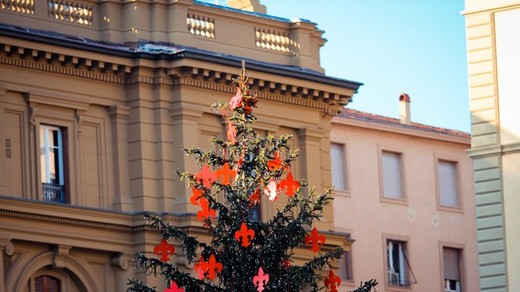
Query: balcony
point(189, 23)
point(54, 193)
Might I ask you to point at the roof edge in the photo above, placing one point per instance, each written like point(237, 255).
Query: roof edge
point(121, 50)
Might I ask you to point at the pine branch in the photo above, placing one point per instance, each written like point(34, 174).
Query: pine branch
point(189, 243)
point(367, 286)
point(169, 272)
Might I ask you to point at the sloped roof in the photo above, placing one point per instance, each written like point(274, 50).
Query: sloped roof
point(353, 114)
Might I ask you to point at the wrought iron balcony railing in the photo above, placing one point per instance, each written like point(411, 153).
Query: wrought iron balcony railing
point(54, 193)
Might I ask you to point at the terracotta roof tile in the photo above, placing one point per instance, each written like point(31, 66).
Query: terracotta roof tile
point(373, 118)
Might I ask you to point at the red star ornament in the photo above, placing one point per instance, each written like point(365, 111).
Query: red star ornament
point(289, 184)
point(332, 282)
point(225, 174)
point(205, 176)
point(260, 280)
point(316, 239)
point(164, 250)
point(174, 288)
point(245, 235)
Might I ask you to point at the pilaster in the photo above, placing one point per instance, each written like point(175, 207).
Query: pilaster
point(119, 121)
point(185, 122)
point(6, 249)
point(312, 166)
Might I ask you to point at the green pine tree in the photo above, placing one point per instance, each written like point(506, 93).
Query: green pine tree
point(245, 254)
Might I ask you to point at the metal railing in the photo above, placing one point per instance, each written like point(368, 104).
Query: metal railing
point(54, 193)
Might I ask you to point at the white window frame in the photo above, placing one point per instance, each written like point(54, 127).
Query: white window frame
point(460, 248)
point(402, 199)
point(45, 151)
point(439, 182)
point(343, 173)
point(345, 266)
point(401, 273)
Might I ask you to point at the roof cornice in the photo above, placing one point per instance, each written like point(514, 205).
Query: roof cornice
point(124, 51)
point(395, 129)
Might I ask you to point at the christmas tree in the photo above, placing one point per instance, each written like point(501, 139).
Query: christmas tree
point(245, 254)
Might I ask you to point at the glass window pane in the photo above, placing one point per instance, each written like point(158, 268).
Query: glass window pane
point(51, 155)
point(338, 168)
point(447, 174)
point(397, 264)
point(391, 165)
point(345, 266)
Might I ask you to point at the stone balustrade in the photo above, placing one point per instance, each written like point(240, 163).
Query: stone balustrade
point(190, 23)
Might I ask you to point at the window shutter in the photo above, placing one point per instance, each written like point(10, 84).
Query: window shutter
point(337, 164)
point(447, 183)
point(47, 284)
point(451, 264)
point(391, 165)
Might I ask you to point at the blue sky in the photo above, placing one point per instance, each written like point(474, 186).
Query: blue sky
point(394, 46)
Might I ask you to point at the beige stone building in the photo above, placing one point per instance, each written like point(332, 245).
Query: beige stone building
point(97, 98)
point(493, 45)
point(405, 193)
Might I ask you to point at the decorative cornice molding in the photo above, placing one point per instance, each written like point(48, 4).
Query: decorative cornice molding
point(295, 97)
point(131, 222)
point(63, 220)
point(61, 69)
point(326, 101)
point(493, 150)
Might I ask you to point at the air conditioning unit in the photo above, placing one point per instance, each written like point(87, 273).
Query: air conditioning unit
point(451, 286)
point(394, 278)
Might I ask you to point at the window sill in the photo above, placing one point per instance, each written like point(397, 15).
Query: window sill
point(402, 202)
point(459, 209)
point(342, 193)
point(389, 287)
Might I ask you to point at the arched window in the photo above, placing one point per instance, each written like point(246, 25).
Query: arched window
point(47, 284)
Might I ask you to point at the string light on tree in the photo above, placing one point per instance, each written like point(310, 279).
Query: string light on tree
point(244, 254)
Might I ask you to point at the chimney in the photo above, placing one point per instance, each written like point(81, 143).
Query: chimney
point(404, 109)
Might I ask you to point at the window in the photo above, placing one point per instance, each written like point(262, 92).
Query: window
point(391, 172)
point(447, 183)
point(345, 266)
point(397, 263)
point(52, 163)
point(452, 279)
point(256, 212)
point(337, 157)
point(47, 284)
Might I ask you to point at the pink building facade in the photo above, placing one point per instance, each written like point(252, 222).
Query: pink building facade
point(405, 193)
